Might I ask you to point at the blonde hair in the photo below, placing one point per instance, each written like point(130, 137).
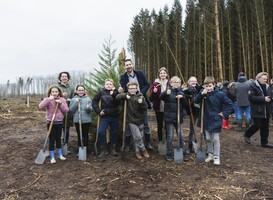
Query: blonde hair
point(261, 74)
point(109, 79)
point(132, 83)
point(175, 78)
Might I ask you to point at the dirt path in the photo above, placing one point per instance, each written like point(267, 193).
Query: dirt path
point(245, 172)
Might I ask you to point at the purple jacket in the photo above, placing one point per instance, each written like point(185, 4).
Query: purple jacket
point(48, 105)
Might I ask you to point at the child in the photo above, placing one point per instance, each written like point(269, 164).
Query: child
point(217, 106)
point(170, 98)
point(54, 97)
point(136, 106)
point(108, 111)
point(85, 108)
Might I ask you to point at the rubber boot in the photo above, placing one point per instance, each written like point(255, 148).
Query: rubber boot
point(248, 122)
point(127, 143)
point(103, 151)
point(52, 159)
point(113, 151)
point(60, 154)
point(148, 142)
point(225, 124)
point(239, 126)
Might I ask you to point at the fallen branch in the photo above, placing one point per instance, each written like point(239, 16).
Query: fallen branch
point(254, 190)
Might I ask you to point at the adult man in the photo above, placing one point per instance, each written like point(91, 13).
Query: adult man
point(132, 75)
point(260, 99)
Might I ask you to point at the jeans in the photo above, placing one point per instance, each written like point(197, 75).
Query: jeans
point(241, 110)
point(213, 143)
point(170, 129)
point(104, 123)
point(147, 130)
point(137, 132)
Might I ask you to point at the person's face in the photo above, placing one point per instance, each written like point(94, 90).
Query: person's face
point(80, 91)
point(162, 75)
point(192, 82)
point(263, 79)
point(64, 78)
point(132, 89)
point(54, 92)
point(108, 85)
point(209, 87)
point(176, 84)
point(128, 66)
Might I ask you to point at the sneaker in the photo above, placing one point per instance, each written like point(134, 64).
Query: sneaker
point(247, 139)
point(216, 160)
point(61, 158)
point(145, 154)
point(52, 161)
point(138, 155)
point(209, 158)
point(169, 157)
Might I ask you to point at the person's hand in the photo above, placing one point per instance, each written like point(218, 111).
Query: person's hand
point(78, 99)
point(111, 92)
point(179, 96)
point(204, 92)
point(221, 114)
point(128, 97)
point(51, 97)
point(267, 99)
point(155, 90)
point(64, 94)
point(169, 91)
point(58, 101)
point(140, 100)
point(102, 113)
point(120, 89)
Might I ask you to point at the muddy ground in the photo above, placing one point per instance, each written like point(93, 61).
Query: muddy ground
point(246, 171)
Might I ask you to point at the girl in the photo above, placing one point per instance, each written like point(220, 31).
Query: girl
point(54, 97)
point(85, 108)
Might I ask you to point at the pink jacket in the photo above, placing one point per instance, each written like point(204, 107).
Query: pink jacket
point(49, 106)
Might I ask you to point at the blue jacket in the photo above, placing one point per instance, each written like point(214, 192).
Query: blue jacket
point(170, 105)
point(215, 102)
point(86, 108)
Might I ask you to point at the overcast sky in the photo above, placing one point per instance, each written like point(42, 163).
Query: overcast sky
point(44, 37)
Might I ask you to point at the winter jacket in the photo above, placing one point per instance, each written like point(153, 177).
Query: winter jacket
point(214, 103)
point(49, 106)
point(135, 110)
point(68, 89)
point(108, 103)
point(171, 106)
point(241, 91)
point(142, 82)
point(154, 96)
point(259, 108)
point(190, 93)
point(85, 106)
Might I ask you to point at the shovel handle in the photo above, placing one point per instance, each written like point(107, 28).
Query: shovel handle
point(124, 123)
point(192, 119)
point(80, 121)
point(202, 115)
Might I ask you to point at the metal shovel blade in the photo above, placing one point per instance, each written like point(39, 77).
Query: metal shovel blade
point(65, 149)
point(201, 155)
point(195, 146)
point(41, 157)
point(178, 155)
point(162, 148)
point(82, 153)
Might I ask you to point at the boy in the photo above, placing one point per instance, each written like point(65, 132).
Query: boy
point(217, 106)
point(136, 106)
point(170, 98)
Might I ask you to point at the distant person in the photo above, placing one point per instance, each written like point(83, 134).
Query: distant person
point(170, 98)
point(160, 84)
point(132, 75)
point(136, 106)
point(106, 105)
point(68, 93)
point(85, 108)
point(225, 90)
point(260, 100)
point(48, 104)
point(217, 106)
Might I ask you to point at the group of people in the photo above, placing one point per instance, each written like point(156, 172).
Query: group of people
point(170, 99)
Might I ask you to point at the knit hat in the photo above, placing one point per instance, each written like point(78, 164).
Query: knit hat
point(241, 74)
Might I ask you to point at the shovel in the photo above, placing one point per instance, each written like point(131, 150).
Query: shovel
point(123, 130)
point(82, 149)
point(178, 152)
point(201, 153)
point(194, 142)
point(97, 133)
point(162, 146)
point(44, 153)
point(65, 147)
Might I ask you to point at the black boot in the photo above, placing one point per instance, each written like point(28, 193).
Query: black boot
point(103, 151)
point(148, 142)
point(113, 151)
point(127, 143)
point(191, 148)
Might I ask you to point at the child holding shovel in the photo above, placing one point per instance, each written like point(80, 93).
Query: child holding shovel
point(108, 111)
point(170, 98)
point(136, 106)
point(216, 107)
point(54, 97)
point(85, 107)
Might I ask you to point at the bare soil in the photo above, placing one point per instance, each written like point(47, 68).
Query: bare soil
point(245, 172)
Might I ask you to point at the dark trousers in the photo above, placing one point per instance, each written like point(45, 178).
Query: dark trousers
point(55, 136)
point(104, 123)
point(263, 125)
point(85, 131)
point(160, 124)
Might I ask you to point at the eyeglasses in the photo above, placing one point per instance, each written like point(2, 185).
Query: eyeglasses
point(132, 88)
point(80, 90)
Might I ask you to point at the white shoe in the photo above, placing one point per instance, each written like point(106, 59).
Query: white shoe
point(216, 160)
point(209, 158)
point(52, 161)
point(62, 158)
